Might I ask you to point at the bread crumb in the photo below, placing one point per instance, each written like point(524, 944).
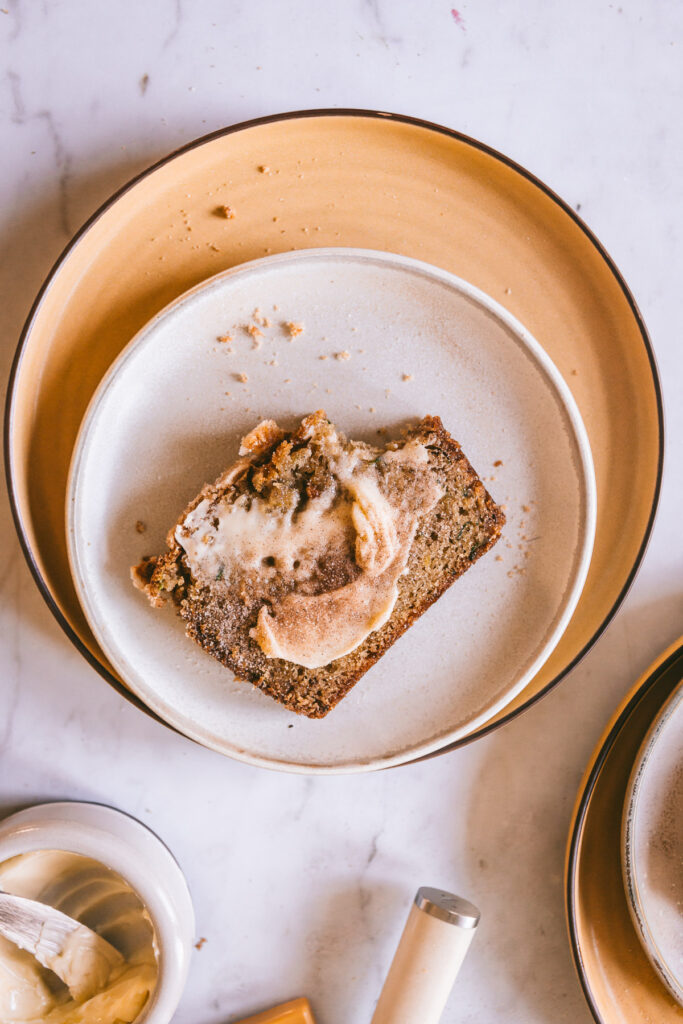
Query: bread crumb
point(294, 329)
point(499, 558)
point(224, 211)
point(407, 376)
point(241, 377)
point(262, 437)
point(255, 333)
point(498, 462)
point(140, 526)
point(508, 291)
point(525, 508)
point(322, 357)
point(259, 318)
point(342, 355)
point(224, 337)
point(371, 409)
point(273, 362)
point(575, 373)
point(264, 169)
point(198, 945)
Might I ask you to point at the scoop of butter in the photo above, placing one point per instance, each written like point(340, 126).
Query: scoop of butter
point(24, 994)
point(373, 519)
point(354, 521)
point(29, 994)
point(315, 630)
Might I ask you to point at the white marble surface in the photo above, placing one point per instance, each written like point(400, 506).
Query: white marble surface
point(301, 885)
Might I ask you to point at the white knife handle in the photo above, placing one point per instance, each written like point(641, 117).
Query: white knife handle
point(437, 935)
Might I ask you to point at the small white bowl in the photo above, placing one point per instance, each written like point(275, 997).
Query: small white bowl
point(140, 857)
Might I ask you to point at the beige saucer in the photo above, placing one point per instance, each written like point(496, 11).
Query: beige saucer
point(169, 416)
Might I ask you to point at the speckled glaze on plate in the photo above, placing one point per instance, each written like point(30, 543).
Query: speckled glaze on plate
point(652, 843)
point(350, 178)
point(618, 979)
point(412, 340)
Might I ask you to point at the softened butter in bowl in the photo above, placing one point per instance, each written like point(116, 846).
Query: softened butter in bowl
point(110, 872)
point(98, 897)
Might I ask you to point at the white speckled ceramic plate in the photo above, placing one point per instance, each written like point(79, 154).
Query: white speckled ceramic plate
point(168, 417)
point(652, 843)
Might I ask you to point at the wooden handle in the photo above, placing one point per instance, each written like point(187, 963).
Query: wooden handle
point(429, 955)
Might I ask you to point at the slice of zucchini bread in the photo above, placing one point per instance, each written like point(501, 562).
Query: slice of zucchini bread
point(304, 562)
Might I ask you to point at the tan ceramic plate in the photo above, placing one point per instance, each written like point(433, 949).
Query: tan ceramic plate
point(338, 178)
point(619, 981)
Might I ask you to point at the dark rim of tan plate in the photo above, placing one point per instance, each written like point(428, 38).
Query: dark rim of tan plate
point(292, 115)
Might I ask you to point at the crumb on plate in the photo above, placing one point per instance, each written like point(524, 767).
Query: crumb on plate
point(294, 329)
